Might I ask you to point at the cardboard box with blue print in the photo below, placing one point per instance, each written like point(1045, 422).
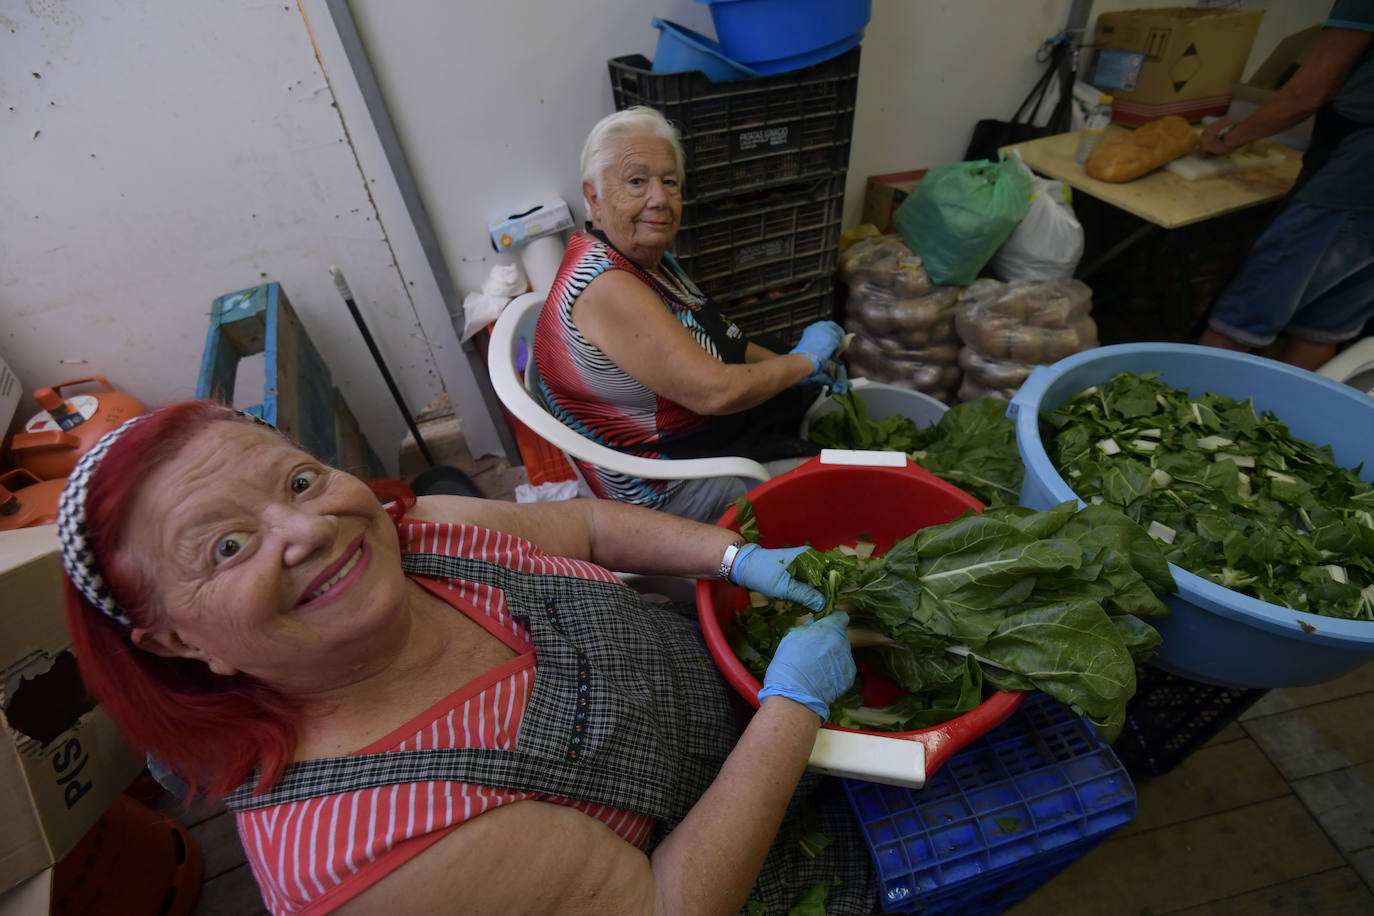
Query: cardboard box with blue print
point(62, 762)
point(1172, 60)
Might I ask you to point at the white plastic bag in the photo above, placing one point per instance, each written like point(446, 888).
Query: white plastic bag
point(504, 282)
point(1048, 242)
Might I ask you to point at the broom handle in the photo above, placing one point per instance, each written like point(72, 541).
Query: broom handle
point(342, 286)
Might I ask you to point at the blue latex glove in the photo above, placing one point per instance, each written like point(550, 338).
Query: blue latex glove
point(838, 383)
point(765, 571)
point(813, 664)
point(819, 341)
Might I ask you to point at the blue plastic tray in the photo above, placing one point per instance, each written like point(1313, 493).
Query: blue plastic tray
point(758, 31)
point(681, 50)
point(999, 819)
point(1213, 634)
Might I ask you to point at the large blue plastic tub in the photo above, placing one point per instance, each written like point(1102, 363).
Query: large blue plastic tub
point(681, 50)
point(773, 36)
point(1213, 634)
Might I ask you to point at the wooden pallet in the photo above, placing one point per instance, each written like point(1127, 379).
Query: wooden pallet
point(298, 396)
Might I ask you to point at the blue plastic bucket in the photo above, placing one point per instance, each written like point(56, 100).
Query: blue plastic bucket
point(1213, 634)
point(772, 36)
point(680, 50)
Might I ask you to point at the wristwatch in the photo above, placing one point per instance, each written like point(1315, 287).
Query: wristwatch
point(727, 560)
point(1221, 134)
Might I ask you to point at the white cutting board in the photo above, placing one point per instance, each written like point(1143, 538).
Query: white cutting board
point(1195, 165)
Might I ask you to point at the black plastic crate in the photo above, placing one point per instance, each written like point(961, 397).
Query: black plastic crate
point(1171, 716)
point(764, 240)
point(784, 311)
point(745, 135)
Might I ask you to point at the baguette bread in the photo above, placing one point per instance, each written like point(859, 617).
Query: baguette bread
point(1142, 150)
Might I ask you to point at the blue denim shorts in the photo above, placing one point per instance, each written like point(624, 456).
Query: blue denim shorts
point(1310, 275)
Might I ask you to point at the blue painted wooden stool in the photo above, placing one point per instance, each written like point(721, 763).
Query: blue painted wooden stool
point(298, 396)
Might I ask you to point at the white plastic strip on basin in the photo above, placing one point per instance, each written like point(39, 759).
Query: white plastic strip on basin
point(863, 458)
point(893, 761)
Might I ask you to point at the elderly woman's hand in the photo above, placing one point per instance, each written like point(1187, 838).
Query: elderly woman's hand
point(765, 571)
point(820, 341)
point(813, 665)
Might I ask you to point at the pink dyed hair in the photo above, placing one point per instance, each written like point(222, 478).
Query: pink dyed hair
point(212, 731)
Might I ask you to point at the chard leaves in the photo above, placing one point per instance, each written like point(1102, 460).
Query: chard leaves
point(973, 446)
point(1227, 490)
point(1054, 599)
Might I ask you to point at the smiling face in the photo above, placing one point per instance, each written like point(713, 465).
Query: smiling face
point(263, 560)
point(639, 206)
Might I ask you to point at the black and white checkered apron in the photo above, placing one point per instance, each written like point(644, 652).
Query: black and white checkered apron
point(627, 710)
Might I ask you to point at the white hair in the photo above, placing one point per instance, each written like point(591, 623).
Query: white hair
point(605, 137)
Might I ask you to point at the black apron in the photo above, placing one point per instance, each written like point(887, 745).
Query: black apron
point(627, 710)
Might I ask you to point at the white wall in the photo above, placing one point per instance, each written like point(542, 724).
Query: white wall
point(158, 154)
point(492, 101)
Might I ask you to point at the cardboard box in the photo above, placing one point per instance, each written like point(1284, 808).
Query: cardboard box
point(884, 193)
point(521, 228)
point(1287, 56)
point(1282, 63)
point(62, 762)
point(1172, 60)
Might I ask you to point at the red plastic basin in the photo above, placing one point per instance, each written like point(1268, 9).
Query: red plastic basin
point(827, 505)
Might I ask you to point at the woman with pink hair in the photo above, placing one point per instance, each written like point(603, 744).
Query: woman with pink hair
point(420, 705)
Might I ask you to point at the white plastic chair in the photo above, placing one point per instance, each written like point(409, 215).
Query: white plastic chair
point(516, 323)
point(1353, 366)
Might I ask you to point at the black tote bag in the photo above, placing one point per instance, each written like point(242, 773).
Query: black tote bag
point(990, 134)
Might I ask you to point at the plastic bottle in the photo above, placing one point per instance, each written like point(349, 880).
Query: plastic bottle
point(63, 412)
point(1095, 129)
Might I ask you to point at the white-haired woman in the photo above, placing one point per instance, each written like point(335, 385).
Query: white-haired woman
point(632, 353)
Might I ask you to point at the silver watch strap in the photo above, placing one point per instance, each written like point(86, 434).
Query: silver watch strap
point(727, 560)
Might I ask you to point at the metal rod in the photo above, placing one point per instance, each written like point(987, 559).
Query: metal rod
point(342, 286)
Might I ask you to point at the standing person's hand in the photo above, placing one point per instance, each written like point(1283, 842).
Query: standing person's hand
point(813, 665)
point(819, 341)
point(1213, 139)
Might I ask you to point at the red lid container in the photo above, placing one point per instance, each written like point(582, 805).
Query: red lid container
point(828, 505)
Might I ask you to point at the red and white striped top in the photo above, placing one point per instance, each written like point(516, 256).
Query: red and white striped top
point(311, 856)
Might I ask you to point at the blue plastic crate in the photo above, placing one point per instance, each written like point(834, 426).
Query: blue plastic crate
point(997, 821)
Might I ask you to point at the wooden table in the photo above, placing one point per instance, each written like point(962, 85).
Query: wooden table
point(1161, 197)
point(1162, 204)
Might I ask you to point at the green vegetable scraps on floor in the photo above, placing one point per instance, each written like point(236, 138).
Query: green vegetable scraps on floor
point(810, 903)
point(1007, 824)
point(1228, 492)
point(973, 446)
point(1057, 599)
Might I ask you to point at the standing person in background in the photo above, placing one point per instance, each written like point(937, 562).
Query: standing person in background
point(1310, 275)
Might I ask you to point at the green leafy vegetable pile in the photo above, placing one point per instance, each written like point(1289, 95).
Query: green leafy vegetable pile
point(1054, 600)
point(973, 446)
point(1229, 492)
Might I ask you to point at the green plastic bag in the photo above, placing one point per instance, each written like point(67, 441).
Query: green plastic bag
point(959, 214)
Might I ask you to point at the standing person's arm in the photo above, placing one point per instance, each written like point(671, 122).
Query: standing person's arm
point(1312, 86)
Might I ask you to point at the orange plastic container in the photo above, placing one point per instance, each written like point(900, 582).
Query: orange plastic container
point(133, 861)
point(26, 501)
point(48, 450)
point(825, 506)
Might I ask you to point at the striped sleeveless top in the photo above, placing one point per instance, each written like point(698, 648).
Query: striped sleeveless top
point(588, 392)
point(313, 855)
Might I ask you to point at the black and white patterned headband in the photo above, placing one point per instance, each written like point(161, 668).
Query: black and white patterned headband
point(78, 557)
